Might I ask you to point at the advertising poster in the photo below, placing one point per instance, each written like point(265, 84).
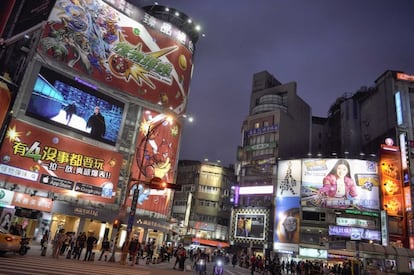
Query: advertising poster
point(5, 100)
point(6, 217)
point(156, 156)
point(340, 184)
point(289, 178)
point(287, 220)
point(391, 183)
point(45, 160)
point(144, 57)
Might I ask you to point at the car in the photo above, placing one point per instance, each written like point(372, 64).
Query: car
point(9, 242)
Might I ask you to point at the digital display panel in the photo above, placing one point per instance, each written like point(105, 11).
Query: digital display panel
point(251, 226)
point(74, 104)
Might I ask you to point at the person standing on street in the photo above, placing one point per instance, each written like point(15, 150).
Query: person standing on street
point(106, 245)
point(58, 243)
point(133, 249)
point(90, 244)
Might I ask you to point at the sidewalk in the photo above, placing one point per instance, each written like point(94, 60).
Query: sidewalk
point(35, 250)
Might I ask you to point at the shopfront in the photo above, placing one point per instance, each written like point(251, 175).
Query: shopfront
point(24, 214)
point(78, 218)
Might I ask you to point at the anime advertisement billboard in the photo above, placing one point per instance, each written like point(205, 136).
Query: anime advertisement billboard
point(144, 57)
point(44, 160)
point(156, 155)
point(340, 184)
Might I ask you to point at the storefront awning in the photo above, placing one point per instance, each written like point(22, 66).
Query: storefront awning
point(210, 243)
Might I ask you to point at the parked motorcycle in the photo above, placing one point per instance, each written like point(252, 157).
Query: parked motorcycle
point(24, 246)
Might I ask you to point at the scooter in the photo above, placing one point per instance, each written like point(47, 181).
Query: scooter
point(24, 246)
point(219, 268)
point(201, 267)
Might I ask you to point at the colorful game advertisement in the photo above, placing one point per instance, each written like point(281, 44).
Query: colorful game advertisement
point(144, 57)
point(45, 160)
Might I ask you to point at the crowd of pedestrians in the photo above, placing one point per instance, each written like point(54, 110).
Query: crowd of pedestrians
point(69, 245)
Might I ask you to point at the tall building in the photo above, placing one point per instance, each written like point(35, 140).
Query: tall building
point(203, 206)
point(90, 108)
point(277, 127)
point(346, 197)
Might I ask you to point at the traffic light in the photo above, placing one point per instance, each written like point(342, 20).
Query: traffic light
point(117, 223)
point(159, 184)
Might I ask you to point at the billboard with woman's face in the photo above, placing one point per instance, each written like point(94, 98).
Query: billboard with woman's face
point(340, 184)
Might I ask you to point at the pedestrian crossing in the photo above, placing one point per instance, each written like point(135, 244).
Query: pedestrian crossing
point(30, 265)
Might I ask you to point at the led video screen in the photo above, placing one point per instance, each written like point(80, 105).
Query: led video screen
point(251, 226)
point(76, 105)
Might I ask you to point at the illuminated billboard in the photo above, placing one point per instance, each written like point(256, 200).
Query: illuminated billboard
point(145, 57)
point(156, 155)
point(45, 160)
point(340, 184)
point(250, 225)
point(70, 104)
point(391, 180)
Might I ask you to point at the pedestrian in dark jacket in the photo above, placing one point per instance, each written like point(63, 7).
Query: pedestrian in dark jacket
point(90, 244)
point(105, 247)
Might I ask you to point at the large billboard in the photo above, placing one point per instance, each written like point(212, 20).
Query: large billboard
point(340, 184)
point(146, 57)
point(391, 180)
point(287, 201)
point(156, 156)
point(45, 160)
point(71, 103)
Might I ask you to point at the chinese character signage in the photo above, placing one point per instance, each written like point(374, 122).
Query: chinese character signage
point(45, 160)
point(147, 58)
point(38, 203)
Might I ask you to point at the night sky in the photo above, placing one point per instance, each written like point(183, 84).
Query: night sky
point(328, 47)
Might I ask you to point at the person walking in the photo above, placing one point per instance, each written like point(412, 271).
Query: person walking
point(133, 249)
point(79, 245)
point(105, 247)
point(44, 242)
point(124, 254)
point(58, 243)
point(90, 244)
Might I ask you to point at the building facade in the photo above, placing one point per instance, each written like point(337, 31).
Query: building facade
point(277, 127)
point(89, 108)
point(203, 206)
